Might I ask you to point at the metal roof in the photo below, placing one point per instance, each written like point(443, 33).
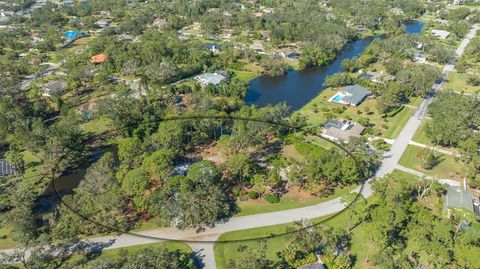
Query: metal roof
point(457, 197)
point(5, 168)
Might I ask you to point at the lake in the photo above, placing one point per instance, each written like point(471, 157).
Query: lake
point(298, 87)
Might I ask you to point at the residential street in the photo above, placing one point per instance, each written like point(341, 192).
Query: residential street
point(205, 248)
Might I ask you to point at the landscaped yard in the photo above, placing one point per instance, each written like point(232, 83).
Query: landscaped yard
point(293, 199)
point(320, 108)
point(5, 241)
point(420, 136)
point(110, 253)
point(458, 82)
point(448, 168)
point(227, 251)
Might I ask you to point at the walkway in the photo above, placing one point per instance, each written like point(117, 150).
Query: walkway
point(443, 151)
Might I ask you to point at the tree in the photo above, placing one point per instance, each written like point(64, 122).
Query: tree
point(350, 65)
point(195, 200)
point(160, 258)
point(338, 79)
point(253, 258)
point(417, 80)
point(159, 164)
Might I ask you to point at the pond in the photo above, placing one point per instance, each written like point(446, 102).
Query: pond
point(298, 87)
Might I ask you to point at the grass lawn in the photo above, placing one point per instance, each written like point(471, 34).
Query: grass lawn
point(111, 253)
point(229, 251)
point(5, 241)
point(319, 108)
point(420, 136)
point(458, 82)
point(97, 125)
point(447, 168)
point(291, 200)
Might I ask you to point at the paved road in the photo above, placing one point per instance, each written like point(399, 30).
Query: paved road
point(205, 249)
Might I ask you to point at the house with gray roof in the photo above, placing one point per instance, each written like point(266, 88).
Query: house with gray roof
point(6, 169)
point(459, 198)
point(54, 86)
point(352, 95)
point(342, 130)
point(211, 78)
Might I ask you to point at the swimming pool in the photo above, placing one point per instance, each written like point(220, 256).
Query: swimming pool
point(337, 98)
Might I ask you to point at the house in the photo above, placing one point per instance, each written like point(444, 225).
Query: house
point(459, 198)
point(288, 53)
point(419, 58)
point(87, 110)
point(227, 33)
point(257, 14)
point(102, 23)
point(441, 33)
point(68, 3)
point(257, 46)
point(159, 22)
point(98, 59)
point(4, 21)
point(342, 130)
point(211, 78)
point(266, 34)
point(124, 37)
point(54, 87)
point(215, 48)
point(377, 77)
point(7, 13)
point(396, 10)
point(351, 95)
point(6, 169)
point(268, 10)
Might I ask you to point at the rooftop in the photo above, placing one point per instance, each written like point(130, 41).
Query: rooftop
point(441, 33)
point(210, 78)
point(457, 197)
point(5, 168)
point(342, 129)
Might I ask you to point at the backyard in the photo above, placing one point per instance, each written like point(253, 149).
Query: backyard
point(320, 109)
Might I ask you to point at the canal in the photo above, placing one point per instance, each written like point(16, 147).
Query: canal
point(298, 87)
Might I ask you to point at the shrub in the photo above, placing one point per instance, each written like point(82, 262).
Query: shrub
point(384, 126)
point(253, 195)
point(272, 198)
point(325, 109)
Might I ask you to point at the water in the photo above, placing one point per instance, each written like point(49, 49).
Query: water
point(415, 27)
point(297, 88)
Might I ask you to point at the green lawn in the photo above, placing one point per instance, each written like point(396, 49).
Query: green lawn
point(420, 136)
point(5, 241)
point(229, 250)
point(110, 253)
point(458, 82)
point(288, 201)
point(447, 168)
point(389, 127)
point(97, 125)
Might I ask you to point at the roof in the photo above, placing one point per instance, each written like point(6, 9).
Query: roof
point(343, 129)
point(55, 86)
point(457, 197)
point(441, 33)
point(355, 94)
point(211, 78)
point(211, 46)
point(98, 59)
point(159, 22)
point(5, 168)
